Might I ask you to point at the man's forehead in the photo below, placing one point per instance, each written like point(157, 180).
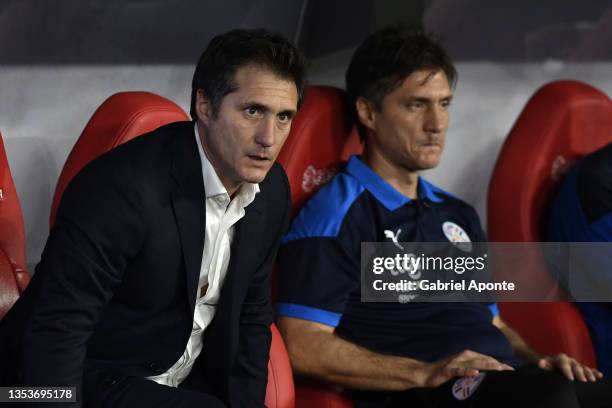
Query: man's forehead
point(258, 75)
point(259, 85)
point(426, 81)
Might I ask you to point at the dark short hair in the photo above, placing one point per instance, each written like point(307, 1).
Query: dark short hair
point(389, 56)
point(228, 52)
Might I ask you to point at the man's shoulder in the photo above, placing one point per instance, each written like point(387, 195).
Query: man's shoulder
point(142, 154)
point(595, 170)
point(324, 214)
point(132, 165)
point(593, 185)
point(158, 142)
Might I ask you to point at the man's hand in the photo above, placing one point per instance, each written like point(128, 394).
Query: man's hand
point(465, 364)
point(570, 368)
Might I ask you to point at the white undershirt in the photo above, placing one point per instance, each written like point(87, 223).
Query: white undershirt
point(222, 213)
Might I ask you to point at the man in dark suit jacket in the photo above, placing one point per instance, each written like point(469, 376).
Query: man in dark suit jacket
point(152, 289)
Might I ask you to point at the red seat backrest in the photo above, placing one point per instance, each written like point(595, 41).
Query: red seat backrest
point(13, 275)
point(120, 118)
point(565, 119)
point(322, 137)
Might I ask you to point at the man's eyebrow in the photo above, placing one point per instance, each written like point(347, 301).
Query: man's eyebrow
point(288, 112)
point(253, 104)
point(425, 99)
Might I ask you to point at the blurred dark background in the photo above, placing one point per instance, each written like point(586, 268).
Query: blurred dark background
point(175, 31)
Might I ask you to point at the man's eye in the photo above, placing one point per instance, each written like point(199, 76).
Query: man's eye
point(284, 118)
point(446, 104)
point(252, 112)
point(416, 105)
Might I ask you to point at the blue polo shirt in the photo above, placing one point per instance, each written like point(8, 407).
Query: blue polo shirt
point(319, 260)
point(582, 212)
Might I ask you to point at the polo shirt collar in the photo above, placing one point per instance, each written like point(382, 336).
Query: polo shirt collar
point(383, 191)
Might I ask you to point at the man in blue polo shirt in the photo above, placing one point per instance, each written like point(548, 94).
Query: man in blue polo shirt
point(404, 354)
point(582, 212)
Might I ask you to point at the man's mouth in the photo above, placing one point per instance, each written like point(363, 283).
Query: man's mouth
point(258, 157)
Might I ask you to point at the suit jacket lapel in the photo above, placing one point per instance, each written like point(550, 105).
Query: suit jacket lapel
point(189, 206)
point(245, 249)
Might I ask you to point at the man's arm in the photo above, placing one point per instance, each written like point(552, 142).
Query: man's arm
point(98, 229)
point(317, 352)
point(571, 368)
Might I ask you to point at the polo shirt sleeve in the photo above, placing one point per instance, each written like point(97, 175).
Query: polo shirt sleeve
point(316, 276)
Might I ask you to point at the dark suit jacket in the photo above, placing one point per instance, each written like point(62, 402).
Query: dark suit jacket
point(114, 293)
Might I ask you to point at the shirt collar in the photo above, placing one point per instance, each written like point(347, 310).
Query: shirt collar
point(383, 191)
point(212, 183)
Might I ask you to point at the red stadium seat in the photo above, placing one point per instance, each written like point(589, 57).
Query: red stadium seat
point(13, 274)
point(123, 117)
point(566, 119)
point(322, 138)
point(280, 392)
point(120, 118)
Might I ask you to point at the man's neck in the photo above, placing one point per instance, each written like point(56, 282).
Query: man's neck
point(403, 180)
point(231, 188)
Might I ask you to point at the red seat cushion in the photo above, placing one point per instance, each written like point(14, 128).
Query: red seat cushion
point(280, 391)
point(12, 235)
point(9, 290)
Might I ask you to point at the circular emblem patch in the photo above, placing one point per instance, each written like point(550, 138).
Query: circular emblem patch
point(455, 234)
point(464, 387)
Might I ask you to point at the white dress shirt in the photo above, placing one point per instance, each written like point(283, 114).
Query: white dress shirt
point(222, 213)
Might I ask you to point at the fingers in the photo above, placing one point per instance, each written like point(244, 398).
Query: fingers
point(465, 364)
point(545, 364)
point(579, 371)
point(564, 364)
point(571, 369)
point(463, 372)
point(479, 361)
point(589, 374)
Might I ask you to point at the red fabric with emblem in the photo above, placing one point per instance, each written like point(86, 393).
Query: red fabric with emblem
point(120, 118)
point(322, 138)
point(13, 275)
point(563, 118)
point(123, 117)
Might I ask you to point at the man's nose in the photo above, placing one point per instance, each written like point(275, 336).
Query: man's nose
point(266, 132)
point(436, 120)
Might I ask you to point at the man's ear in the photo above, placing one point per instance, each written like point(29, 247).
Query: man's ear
point(366, 112)
point(203, 107)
